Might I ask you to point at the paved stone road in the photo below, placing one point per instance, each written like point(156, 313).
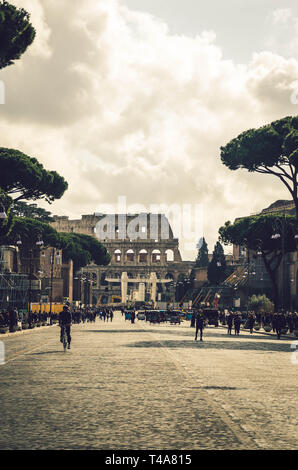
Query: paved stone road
point(147, 387)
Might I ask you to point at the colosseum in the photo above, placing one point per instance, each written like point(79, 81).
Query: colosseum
point(145, 262)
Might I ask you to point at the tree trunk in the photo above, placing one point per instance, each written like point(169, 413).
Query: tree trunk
point(272, 275)
point(296, 208)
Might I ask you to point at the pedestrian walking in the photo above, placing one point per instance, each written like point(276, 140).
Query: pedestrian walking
point(295, 321)
point(230, 323)
point(251, 323)
point(237, 324)
point(274, 322)
point(5, 318)
point(199, 325)
point(280, 324)
point(12, 320)
point(290, 322)
point(20, 317)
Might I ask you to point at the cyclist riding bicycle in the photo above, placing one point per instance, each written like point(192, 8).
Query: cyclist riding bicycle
point(65, 320)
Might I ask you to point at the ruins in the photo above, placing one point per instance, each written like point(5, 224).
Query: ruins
point(145, 262)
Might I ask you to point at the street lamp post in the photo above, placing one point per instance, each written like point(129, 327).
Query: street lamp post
point(30, 281)
point(82, 279)
point(51, 284)
point(88, 289)
point(280, 223)
point(248, 278)
point(250, 270)
point(38, 243)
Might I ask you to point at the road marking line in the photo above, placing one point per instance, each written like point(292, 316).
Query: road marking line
point(237, 431)
point(24, 351)
point(19, 354)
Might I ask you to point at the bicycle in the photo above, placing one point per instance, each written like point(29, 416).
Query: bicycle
point(64, 338)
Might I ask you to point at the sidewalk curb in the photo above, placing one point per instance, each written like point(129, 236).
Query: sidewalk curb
point(22, 332)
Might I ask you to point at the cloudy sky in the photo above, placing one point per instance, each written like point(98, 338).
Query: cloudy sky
point(135, 97)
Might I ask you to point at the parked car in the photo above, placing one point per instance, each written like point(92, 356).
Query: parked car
point(153, 316)
point(162, 316)
point(211, 316)
point(141, 315)
point(175, 317)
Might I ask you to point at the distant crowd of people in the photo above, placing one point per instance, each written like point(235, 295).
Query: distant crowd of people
point(14, 319)
point(90, 315)
point(277, 322)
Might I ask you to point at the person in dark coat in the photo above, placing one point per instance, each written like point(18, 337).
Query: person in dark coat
point(237, 324)
point(133, 316)
point(5, 318)
point(2, 319)
point(65, 320)
point(295, 321)
point(199, 325)
point(13, 319)
point(251, 323)
point(280, 324)
point(290, 322)
point(274, 322)
point(230, 323)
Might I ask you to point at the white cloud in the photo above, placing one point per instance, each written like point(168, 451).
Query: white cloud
point(281, 15)
point(120, 106)
point(284, 36)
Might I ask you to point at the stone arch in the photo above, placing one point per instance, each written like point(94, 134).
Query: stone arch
point(169, 276)
point(143, 256)
point(130, 255)
point(156, 256)
point(169, 254)
point(117, 256)
point(169, 285)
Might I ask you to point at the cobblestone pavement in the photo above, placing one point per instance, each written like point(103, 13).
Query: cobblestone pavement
point(145, 387)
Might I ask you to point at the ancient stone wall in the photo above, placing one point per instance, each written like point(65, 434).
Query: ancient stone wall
point(139, 244)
